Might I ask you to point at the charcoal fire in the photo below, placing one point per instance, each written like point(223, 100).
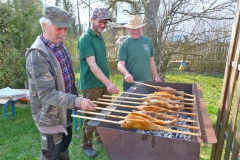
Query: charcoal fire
point(171, 134)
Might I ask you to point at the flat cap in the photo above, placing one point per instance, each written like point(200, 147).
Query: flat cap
point(57, 16)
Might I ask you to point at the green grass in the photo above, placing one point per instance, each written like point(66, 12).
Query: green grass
point(20, 138)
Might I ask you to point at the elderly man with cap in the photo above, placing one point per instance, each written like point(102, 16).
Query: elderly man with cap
point(135, 55)
point(53, 93)
point(94, 71)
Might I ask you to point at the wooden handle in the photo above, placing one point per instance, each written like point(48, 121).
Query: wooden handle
point(130, 98)
point(112, 100)
point(190, 95)
point(144, 84)
point(176, 131)
point(114, 104)
point(137, 94)
point(101, 114)
point(184, 126)
point(186, 120)
point(112, 110)
point(96, 119)
point(186, 113)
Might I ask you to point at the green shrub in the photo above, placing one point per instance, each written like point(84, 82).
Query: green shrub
point(19, 28)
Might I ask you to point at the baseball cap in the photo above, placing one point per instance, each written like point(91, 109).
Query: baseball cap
point(101, 13)
point(57, 16)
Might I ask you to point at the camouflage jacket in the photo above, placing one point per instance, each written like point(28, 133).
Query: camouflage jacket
point(51, 106)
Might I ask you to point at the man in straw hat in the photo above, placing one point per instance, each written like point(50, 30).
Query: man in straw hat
point(135, 55)
point(53, 93)
point(94, 71)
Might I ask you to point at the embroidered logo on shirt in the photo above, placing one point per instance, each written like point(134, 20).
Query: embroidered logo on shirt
point(145, 46)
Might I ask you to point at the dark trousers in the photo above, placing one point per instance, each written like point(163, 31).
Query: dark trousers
point(55, 146)
point(87, 131)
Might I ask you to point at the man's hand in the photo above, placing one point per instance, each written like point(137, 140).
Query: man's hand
point(128, 78)
point(158, 79)
point(87, 105)
point(112, 89)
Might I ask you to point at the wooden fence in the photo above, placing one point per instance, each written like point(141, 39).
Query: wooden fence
point(214, 51)
point(210, 57)
point(228, 122)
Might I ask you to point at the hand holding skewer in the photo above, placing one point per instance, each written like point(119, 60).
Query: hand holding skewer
point(87, 104)
point(128, 78)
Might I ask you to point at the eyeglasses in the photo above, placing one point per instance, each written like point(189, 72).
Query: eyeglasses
point(101, 22)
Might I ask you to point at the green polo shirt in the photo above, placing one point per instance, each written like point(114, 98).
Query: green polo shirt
point(90, 44)
point(136, 54)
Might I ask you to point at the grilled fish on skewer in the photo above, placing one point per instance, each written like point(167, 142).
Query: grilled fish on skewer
point(164, 116)
point(140, 124)
point(167, 95)
point(174, 97)
point(171, 90)
point(158, 115)
point(147, 108)
point(179, 105)
point(155, 109)
point(159, 98)
point(147, 101)
point(155, 115)
point(164, 104)
point(168, 89)
point(138, 115)
point(162, 110)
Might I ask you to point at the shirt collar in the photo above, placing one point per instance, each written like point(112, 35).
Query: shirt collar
point(49, 44)
point(90, 31)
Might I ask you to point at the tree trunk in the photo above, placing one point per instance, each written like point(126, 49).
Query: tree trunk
point(150, 30)
point(151, 13)
point(56, 2)
point(79, 20)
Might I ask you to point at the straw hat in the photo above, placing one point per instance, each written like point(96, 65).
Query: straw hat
point(134, 22)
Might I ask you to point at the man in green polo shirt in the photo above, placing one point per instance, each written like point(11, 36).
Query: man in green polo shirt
point(94, 71)
point(135, 55)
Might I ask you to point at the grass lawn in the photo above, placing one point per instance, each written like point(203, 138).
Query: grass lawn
point(20, 138)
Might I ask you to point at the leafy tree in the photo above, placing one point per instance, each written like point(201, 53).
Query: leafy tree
point(165, 19)
point(18, 29)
